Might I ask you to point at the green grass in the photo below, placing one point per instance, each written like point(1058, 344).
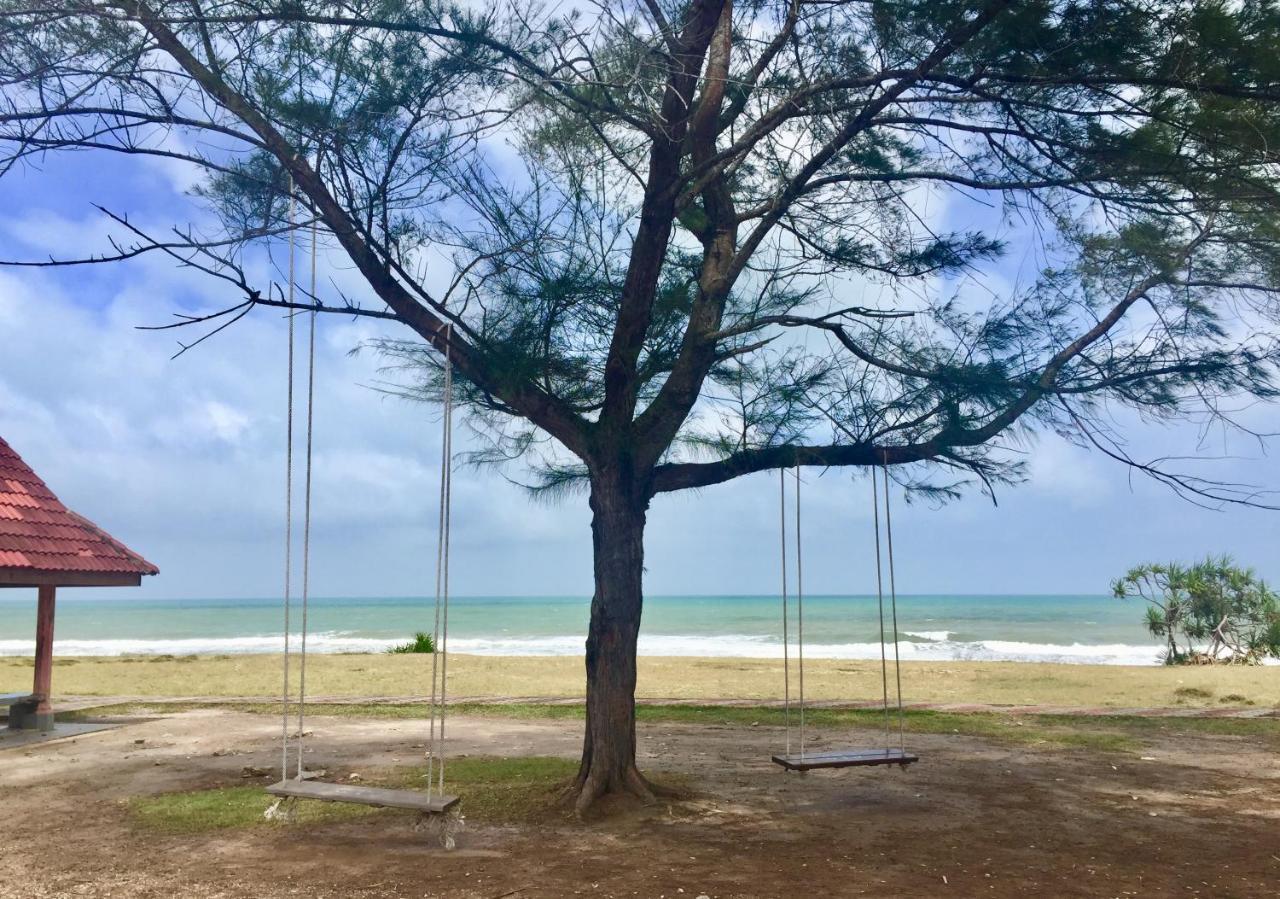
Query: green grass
point(379, 710)
point(507, 790)
point(1113, 733)
point(1266, 729)
point(221, 808)
point(494, 791)
point(1022, 730)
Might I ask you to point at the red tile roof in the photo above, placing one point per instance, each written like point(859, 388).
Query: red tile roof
point(41, 536)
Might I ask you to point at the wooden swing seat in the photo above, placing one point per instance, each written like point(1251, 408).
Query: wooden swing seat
point(845, 758)
point(375, 796)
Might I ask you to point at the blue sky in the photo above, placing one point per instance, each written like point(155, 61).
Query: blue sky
point(183, 459)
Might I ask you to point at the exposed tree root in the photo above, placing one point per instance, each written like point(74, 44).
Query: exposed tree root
point(588, 791)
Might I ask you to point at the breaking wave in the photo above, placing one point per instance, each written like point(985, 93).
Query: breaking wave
point(927, 646)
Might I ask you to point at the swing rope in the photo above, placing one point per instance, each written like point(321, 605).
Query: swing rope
point(884, 664)
point(440, 631)
point(288, 518)
point(893, 604)
point(288, 511)
point(306, 505)
point(786, 637)
point(799, 597)
point(884, 554)
point(440, 634)
point(800, 610)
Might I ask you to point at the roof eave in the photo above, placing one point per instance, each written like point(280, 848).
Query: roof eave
point(18, 577)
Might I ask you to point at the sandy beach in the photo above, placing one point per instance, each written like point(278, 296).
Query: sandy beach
point(376, 675)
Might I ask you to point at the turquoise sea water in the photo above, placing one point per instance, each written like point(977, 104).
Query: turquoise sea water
point(1083, 629)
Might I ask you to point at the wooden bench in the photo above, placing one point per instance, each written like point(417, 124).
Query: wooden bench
point(845, 758)
point(8, 699)
point(375, 796)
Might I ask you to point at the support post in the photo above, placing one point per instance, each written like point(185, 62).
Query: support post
point(38, 714)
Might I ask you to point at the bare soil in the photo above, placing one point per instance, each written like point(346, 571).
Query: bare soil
point(1191, 815)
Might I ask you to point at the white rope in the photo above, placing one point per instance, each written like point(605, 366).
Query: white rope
point(288, 514)
point(893, 599)
point(435, 630)
point(448, 520)
point(306, 505)
point(440, 636)
point(786, 639)
point(884, 664)
point(800, 611)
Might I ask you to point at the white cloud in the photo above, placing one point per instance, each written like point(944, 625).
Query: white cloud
point(184, 460)
point(1064, 472)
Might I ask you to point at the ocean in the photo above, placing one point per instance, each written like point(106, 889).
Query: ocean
point(1090, 630)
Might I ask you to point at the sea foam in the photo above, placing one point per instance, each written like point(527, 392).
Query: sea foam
point(928, 646)
point(934, 636)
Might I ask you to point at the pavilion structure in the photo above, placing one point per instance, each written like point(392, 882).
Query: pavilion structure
point(44, 546)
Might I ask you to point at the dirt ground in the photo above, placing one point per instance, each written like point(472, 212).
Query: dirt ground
point(1188, 816)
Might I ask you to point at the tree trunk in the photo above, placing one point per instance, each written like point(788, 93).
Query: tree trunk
point(609, 746)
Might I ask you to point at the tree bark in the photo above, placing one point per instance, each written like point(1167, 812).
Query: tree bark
point(609, 746)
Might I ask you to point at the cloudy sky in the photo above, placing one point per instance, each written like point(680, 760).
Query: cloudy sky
point(183, 459)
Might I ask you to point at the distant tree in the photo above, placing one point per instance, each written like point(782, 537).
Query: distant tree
point(1207, 613)
point(668, 243)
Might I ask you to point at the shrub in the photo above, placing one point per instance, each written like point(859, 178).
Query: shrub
point(421, 642)
point(1208, 613)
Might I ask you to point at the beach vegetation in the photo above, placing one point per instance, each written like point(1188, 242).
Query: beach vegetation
point(421, 642)
point(723, 239)
point(1210, 613)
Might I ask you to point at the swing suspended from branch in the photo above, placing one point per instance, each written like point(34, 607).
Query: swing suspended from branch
point(803, 760)
point(303, 784)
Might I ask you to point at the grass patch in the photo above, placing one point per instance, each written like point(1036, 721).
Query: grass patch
point(507, 790)
point(1266, 729)
point(1185, 693)
point(1111, 733)
point(1022, 729)
point(494, 791)
point(201, 811)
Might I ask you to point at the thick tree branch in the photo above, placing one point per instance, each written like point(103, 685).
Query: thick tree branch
point(546, 411)
point(657, 212)
point(661, 421)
